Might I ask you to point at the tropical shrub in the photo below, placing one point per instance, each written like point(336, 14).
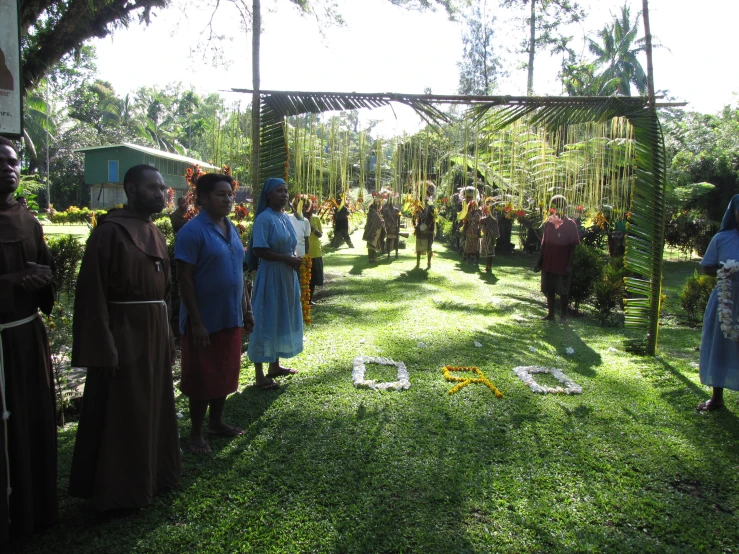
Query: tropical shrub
point(66, 252)
point(74, 216)
point(165, 226)
point(608, 292)
point(587, 267)
point(694, 296)
point(443, 229)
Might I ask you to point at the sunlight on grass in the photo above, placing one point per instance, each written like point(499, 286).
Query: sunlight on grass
point(628, 466)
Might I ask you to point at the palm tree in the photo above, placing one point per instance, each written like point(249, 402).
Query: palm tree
point(617, 54)
point(39, 123)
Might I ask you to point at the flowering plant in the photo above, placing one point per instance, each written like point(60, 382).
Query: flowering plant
point(358, 369)
point(240, 212)
point(725, 310)
point(464, 381)
point(525, 373)
point(304, 273)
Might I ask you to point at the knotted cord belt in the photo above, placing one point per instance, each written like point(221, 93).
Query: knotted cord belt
point(162, 302)
point(5, 412)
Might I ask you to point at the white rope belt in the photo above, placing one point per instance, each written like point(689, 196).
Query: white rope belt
point(5, 412)
point(162, 302)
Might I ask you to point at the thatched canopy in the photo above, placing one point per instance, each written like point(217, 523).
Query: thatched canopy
point(645, 233)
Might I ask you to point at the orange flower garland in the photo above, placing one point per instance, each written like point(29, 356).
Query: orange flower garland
point(464, 381)
point(304, 274)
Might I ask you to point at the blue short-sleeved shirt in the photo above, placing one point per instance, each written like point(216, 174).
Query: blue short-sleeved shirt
point(218, 276)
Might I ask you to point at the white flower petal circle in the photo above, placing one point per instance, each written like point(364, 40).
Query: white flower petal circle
point(526, 373)
point(358, 369)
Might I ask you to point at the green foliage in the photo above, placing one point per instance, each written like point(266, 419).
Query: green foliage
point(59, 330)
point(703, 149)
point(587, 266)
point(688, 231)
point(67, 252)
point(75, 216)
point(480, 65)
point(617, 54)
point(165, 226)
point(608, 292)
point(53, 30)
point(443, 229)
point(694, 296)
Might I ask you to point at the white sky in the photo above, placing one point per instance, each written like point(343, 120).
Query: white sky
point(385, 49)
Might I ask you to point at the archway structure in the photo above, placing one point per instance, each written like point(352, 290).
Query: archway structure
point(645, 228)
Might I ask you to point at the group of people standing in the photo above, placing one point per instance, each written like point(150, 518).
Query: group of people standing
point(127, 448)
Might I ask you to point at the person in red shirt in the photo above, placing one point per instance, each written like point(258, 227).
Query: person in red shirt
point(556, 255)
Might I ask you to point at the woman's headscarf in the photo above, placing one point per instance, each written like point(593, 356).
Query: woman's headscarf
point(728, 223)
point(269, 185)
point(250, 260)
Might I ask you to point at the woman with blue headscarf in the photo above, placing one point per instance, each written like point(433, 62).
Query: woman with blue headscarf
point(719, 356)
point(278, 315)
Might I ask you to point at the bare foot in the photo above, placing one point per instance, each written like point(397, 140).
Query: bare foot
point(281, 371)
point(709, 405)
point(267, 384)
point(199, 446)
point(225, 430)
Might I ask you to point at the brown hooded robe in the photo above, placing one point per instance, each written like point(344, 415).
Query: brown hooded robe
point(127, 446)
point(29, 382)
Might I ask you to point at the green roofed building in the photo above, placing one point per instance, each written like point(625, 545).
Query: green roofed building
point(105, 167)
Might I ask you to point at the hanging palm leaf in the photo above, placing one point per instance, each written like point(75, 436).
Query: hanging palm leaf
point(276, 105)
point(645, 236)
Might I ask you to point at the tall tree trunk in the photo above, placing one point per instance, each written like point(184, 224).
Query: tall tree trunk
point(650, 67)
point(532, 50)
point(255, 101)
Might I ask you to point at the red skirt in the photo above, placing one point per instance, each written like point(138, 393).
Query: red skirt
point(213, 371)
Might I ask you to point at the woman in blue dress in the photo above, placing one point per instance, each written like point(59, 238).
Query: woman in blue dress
point(719, 356)
point(278, 314)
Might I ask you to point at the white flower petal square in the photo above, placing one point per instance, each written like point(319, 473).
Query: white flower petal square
point(358, 370)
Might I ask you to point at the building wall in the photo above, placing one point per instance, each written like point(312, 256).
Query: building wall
point(96, 163)
point(173, 172)
point(106, 196)
point(96, 166)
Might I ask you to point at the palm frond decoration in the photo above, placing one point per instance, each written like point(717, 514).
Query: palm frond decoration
point(645, 230)
point(278, 105)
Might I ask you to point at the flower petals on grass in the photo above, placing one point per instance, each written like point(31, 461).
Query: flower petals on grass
point(525, 373)
point(464, 381)
point(358, 371)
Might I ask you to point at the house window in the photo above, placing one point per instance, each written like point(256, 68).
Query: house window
point(170, 167)
point(112, 171)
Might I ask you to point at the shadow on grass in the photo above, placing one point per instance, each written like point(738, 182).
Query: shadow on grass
point(82, 529)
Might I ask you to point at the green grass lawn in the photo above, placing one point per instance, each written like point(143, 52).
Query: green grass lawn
point(628, 466)
point(80, 231)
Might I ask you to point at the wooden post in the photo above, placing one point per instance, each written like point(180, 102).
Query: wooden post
point(650, 67)
point(255, 102)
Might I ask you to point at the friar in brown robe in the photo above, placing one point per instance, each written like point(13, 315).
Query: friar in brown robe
point(127, 446)
point(29, 501)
